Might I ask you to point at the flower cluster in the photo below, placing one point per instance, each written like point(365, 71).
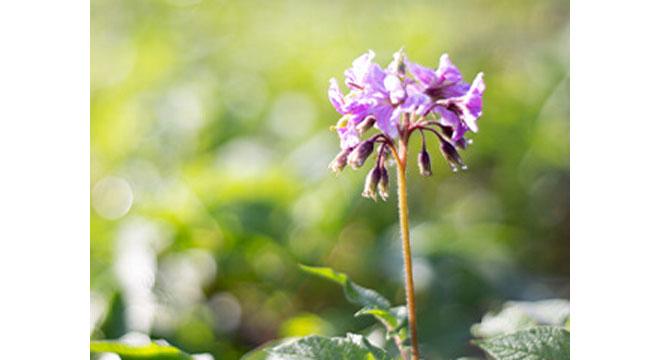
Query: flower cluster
point(398, 100)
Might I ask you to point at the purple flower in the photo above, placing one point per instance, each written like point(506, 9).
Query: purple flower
point(356, 75)
point(373, 92)
point(456, 102)
point(471, 103)
point(443, 83)
point(438, 102)
point(354, 107)
point(385, 92)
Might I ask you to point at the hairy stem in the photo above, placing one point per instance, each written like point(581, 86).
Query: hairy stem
point(401, 157)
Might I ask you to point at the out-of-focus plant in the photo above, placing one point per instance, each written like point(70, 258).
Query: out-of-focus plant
point(520, 331)
point(383, 109)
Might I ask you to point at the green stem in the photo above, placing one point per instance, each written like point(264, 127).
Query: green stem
point(401, 157)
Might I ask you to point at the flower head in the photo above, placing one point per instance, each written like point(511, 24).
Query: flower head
point(457, 104)
point(397, 101)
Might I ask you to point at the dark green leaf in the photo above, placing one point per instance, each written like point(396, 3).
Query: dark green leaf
point(355, 293)
point(114, 325)
point(538, 343)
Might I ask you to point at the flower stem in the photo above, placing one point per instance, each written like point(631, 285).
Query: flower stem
point(401, 157)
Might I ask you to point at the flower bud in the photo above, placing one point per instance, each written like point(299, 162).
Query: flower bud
point(449, 134)
point(451, 155)
point(371, 182)
point(383, 184)
point(366, 124)
point(360, 154)
point(339, 162)
point(398, 64)
point(424, 162)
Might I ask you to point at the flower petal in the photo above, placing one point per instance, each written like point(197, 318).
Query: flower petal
point(416, 101)
point(393, 86)
point(336, 97)
point(374, 82)
point(386, 120)
point(424, 75)
point(348, 134)
point(451, 119)
point(447, 72)
point(472, 102)
point(355, 76)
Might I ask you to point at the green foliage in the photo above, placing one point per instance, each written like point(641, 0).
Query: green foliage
point(511, 334)
point(351, 347)
point(538, 343)
point(354, 293)
point(152, 351)
point(393, 318)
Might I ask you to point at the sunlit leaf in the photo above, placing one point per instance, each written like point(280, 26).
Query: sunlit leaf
point(351, 347)
point(539, 343)
point(151, 351)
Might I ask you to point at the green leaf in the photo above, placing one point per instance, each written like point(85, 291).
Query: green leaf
point(385, 316)
point(159, 350)
point(354, 293)
point(261, 353)
point(351, 347)
point(393, 318)
point(538, 343)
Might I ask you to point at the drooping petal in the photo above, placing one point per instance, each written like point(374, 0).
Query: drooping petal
point(450, 119)
point(336, 97)
point(471, 103)
point(355, 76)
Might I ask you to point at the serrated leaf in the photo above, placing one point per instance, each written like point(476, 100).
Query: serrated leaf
point(538, 343)
point(261, 353)
point(151, 351)
point(354, 293)
point(351, 347)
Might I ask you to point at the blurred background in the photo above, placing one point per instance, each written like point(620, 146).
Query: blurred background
point(210, 144)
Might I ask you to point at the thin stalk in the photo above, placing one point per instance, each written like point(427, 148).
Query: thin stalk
point(402, 193)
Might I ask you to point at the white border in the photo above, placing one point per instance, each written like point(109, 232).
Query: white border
point(44, 179)
point(615, 132)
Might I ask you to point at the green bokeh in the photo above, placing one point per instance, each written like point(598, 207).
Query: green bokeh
point(210, 144)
